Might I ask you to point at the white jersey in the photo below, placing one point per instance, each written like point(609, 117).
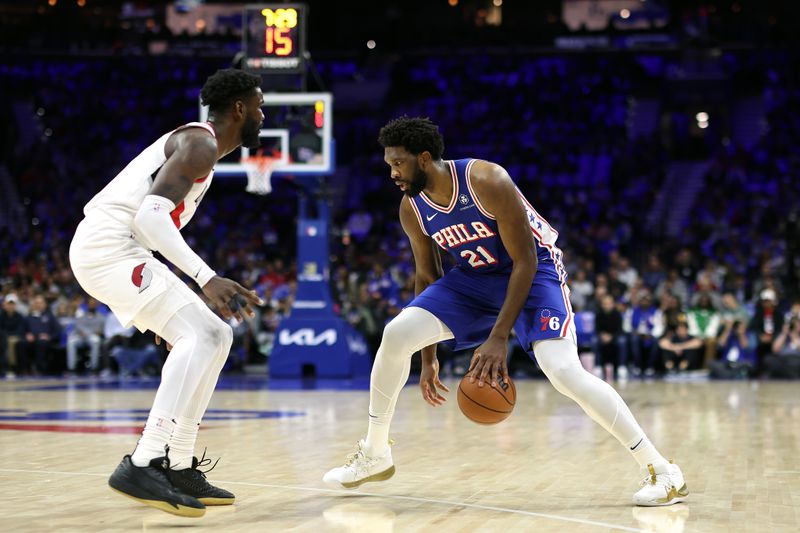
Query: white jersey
point(112, 265)
point(121, 198)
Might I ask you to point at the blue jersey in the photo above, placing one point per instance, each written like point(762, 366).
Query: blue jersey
point(469, 232)
point(468, 298)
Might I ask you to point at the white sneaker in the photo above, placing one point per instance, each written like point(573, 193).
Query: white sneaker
point(622, 373)
point(360, 469)
point(662, 485)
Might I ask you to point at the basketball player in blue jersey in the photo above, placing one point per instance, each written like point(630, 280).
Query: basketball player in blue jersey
point(142, 210)
point(509, 273)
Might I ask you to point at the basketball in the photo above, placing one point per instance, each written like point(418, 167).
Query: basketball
point(487, 404)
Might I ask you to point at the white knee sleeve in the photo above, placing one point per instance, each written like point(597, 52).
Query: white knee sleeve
point(558, 359)
point(413, 329)
point(200, 344)
point(410, 331)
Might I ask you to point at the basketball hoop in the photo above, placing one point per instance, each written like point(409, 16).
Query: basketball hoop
point(259, 173)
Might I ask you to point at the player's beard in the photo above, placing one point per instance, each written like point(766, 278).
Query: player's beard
point(251, 134)
point(417, 183)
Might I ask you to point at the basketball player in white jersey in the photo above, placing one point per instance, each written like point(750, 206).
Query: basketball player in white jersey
point(142, 210)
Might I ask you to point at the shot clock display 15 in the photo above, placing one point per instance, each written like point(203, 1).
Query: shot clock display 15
point(274, 37)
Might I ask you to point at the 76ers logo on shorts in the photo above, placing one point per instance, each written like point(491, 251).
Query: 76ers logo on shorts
point(141, 277)
point(549, 321)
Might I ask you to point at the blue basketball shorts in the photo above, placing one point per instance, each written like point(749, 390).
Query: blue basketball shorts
point(468, 303)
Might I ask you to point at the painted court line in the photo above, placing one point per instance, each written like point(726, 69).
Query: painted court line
point(376, 495)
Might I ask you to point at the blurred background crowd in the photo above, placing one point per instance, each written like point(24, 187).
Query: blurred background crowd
point(671, 171)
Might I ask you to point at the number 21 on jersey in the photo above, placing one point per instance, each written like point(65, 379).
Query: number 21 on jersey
point(478, 259)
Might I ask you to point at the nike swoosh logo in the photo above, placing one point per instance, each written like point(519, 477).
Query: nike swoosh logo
point(637, 444)
point(431, 217)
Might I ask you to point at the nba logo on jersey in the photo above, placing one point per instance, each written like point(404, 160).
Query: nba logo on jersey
point(141, 277)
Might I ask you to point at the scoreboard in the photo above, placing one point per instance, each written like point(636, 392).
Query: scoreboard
point(274, 37)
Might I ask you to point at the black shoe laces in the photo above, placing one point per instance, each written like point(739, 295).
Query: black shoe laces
point(205, 462)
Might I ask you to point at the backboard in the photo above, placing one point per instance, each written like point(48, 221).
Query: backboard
point(298, 131)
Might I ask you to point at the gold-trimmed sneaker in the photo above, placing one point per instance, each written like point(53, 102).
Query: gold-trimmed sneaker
point(361, 468)
point(663, 485)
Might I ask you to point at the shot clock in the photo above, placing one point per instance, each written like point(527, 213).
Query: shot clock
point(274, 37)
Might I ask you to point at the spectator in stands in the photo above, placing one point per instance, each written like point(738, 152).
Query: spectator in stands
point(12, 329)
point(581, 290)
point(616, 287)
point(767, 322)
point(732, 309)
point(380, 283)
point(674, 285)
point(737, 353)
point(704, 324)
point(667, 316)
point(738, 288)
point(639, 324)
point(610, 349)
point(785, 360)
point(666, 320)
point(627, 274)
point(42, 335)
point(679, 348)
point(685, 264)
point(705, 288)
point(66, 310)
point(654, 272)
point(135, 353)
point(137, 356)
point(364, 318)
point(87, 332)
point(713, 275)
point(268, 322)
point(767, 280)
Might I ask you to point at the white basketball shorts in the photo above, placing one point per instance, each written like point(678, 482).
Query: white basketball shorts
point(112, 267)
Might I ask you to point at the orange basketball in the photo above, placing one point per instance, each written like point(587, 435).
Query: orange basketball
point(487, 404)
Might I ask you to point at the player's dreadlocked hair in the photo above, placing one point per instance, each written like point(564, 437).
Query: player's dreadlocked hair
point(415, 134)
point(226, 86)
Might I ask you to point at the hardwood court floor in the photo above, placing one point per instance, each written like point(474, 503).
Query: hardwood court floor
point(547, 468)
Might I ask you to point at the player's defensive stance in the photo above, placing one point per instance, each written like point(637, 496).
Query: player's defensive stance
point(142, 210)
point(508, 274)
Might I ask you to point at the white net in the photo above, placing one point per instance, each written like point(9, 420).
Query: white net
point(259, 173)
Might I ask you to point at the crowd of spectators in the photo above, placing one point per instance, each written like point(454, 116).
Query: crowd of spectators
point(718, 297)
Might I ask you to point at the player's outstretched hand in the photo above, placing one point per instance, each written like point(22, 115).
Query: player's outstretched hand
point(489, 362)
point(230, 298)
point(430, 385)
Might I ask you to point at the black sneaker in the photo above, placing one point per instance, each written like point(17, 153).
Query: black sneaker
point(151, 486)
point(192, 481)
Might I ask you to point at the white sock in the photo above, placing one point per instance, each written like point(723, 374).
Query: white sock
point(413, 329)
point(181, 444)
point(644, 452)
point(156, 435)
point(558, 359)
